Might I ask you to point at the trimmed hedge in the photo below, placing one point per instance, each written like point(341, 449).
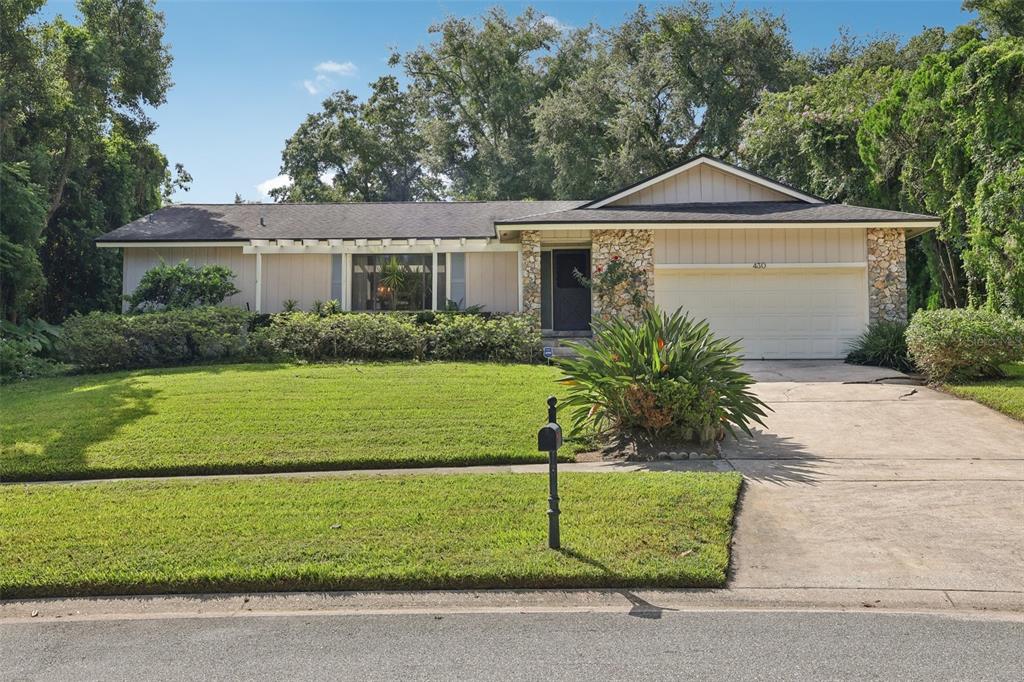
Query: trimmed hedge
point(107, 341)
point(963, 343)
point(390, 336)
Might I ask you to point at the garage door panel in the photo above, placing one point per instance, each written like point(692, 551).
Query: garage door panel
point(778, 313)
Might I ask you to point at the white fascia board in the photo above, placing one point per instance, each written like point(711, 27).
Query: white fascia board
point(917, 226)
point(394, 246)
point(724, 167)
point(156, 244)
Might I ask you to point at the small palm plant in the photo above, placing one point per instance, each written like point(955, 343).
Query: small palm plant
point(667, 378)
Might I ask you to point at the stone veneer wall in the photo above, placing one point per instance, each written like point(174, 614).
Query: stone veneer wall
point(887, 274)
point(529, 243)
point(636, 247)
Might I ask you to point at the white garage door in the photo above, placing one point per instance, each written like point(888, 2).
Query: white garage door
point(778, 313)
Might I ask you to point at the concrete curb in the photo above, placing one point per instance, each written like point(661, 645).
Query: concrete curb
point(642, 603)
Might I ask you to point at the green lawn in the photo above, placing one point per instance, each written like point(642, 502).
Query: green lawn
point(364, 532)
point(260, 418)
point(1005, 395)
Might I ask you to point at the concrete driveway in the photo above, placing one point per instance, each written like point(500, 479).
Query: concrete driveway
point(863, 480)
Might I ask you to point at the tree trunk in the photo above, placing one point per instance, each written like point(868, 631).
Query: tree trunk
point(62, 179)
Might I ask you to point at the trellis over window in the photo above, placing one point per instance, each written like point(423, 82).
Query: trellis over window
point(385, 274)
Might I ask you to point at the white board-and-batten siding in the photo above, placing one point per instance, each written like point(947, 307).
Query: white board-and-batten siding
point(140, 259)
point(491, 278)
point(702, 184)
point(767, 245)
point(304, 278)
point(492, 281)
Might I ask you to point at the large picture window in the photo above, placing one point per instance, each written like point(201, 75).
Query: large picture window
point(394, 281)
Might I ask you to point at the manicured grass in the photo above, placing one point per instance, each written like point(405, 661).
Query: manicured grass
point(1005, 395)
point(261, 418)
point(364, 532)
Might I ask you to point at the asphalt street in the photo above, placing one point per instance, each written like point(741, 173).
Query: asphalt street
point(647, 644)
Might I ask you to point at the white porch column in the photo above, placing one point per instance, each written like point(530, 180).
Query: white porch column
point(433, 280)
point(259, 282)
point(519, 278)
point(346, 281)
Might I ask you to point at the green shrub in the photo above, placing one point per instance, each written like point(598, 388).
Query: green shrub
point(666, 378)
point(104, 341)
point(963, 343)
point(505, 338)
point(19, 360)
point(168, 287)
point(883, 344)
point(27, 349)
point(396, 335)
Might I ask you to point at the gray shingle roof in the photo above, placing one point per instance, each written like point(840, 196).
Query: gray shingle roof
point(739, 212)
point(427, 220)
point(398, 220)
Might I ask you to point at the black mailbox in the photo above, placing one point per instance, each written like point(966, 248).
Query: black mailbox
point(549, 437)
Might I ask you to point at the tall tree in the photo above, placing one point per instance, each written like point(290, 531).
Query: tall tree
point(949, 134)
point(660, 89)
point(71, 94)
point(807, 136)
point(475, 86)
point(351, 151)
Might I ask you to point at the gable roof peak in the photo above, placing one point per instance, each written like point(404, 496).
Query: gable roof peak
point(718, 164)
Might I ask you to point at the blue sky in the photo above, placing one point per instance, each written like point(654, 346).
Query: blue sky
point(247, 73)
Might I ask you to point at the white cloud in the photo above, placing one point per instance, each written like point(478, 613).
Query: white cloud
point(273, 183)
point(556, 24)
point(332, 67)
point(325, 75)
point(284, 180)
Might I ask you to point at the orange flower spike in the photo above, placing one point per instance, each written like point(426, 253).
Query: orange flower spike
point(661, 343)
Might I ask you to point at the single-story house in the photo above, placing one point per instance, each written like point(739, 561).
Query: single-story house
point(792, 275)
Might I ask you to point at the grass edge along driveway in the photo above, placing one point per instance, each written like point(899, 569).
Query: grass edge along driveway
point(1003, 395)
point(261, 418)
point(364, 532)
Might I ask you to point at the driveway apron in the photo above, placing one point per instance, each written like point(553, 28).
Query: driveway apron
point(857, 482)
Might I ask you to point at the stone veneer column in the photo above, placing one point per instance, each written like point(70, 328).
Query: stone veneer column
point(529, 243)
point(636, 247)
point(887, 275)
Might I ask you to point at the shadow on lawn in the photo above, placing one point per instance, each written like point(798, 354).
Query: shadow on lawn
point(43, 442)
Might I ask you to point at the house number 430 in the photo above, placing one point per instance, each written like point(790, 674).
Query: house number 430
point(760, 266)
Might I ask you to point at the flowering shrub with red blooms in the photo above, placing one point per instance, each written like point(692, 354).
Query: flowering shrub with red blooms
point(667, 378)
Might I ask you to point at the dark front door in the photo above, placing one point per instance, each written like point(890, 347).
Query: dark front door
point(570, 298)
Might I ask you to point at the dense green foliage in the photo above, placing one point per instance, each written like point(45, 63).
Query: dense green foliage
point(882, 344)
point(519, 108)
point(359, 152)
point(275, 417)
point(933, 126)
point(666, 378)
point(182, 286)
point(394, 532)
point(106, 341)
point(74, 139)
point(27, 350)
point(382, 336)
point(964, 344)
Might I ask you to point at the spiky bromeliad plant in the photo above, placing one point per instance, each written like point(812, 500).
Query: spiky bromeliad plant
point(668, 378)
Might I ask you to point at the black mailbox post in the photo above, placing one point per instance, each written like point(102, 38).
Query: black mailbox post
point(549, 439)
